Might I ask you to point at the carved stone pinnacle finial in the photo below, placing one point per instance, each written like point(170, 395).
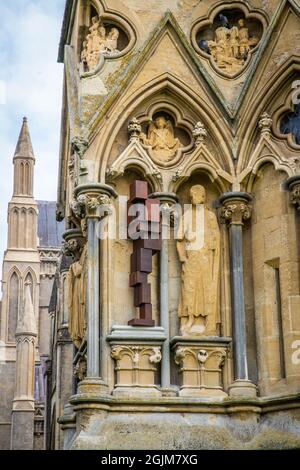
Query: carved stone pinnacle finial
point(199, 133)
point(134, 129)
point(265, 124)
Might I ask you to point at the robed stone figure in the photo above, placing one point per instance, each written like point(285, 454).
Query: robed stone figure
point(198, 249)
point(77, 293)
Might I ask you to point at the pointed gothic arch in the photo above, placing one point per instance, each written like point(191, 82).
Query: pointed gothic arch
point(265, 100)
point(168, 86)
point(14, 302)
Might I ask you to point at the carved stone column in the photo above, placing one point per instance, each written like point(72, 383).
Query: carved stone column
point(90, 197)
point(167, 200)
point(235, 210)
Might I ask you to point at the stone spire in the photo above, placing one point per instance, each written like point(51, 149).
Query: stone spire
point(24, 163)
point(23, 403)
point(22, 211)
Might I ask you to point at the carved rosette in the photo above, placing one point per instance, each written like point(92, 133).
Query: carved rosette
point(201, 369)
point(236, 209)
point(136, 365)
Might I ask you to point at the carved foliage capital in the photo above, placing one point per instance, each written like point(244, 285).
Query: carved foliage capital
point(86, 205)
point(136, 354)
point(236, 212)
point(212, 358)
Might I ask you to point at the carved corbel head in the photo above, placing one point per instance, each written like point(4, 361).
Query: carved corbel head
point(74, 242)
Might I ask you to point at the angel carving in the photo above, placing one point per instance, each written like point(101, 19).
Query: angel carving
point(162, 140)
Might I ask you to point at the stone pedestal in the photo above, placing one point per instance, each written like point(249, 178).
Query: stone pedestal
point(137, 354)
point(93, 386)
point(201, 362)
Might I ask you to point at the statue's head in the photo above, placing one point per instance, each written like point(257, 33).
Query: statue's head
point(197, 194)
point(241, 22)
point(160, 122)
point(95, 19)
point(114, 33)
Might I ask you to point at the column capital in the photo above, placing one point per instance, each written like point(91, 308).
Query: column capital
point(293, 185)
point(167, 200)
point(89, 197)
point(165, 197)
point(235, 207)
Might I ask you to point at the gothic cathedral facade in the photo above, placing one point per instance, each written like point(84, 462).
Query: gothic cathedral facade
point(188, 336)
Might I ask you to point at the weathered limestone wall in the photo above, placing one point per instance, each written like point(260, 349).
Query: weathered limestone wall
point(276, 283)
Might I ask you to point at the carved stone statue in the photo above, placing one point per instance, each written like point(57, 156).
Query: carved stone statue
point(111, 43)
point(231, 47)
point(161, 139)
point(77, 288)
point(98, 42)
point(199, 303)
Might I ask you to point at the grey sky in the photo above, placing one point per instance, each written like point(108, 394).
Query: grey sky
point(30, 85)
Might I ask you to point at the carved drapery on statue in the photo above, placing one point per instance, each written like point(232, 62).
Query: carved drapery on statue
point(77, 288)
point(160, 137)
point(199, 302)
point(98, 41)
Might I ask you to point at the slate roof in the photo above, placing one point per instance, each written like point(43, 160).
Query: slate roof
point(49, 230)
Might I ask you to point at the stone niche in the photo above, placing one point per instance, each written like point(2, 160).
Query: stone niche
point(228, 38)
point(200, 364)
point(105, 37)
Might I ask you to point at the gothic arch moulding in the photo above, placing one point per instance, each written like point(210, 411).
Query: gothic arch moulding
point(270, 99)
point(286, 118)
point(169, 95)
point(30, 275)
point(229, 36)
point(108, 35)
point(13, 304)
point(136, 158)
point(259, 167)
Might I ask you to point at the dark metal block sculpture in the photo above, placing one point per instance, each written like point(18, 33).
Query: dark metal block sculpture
point(146, 243)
